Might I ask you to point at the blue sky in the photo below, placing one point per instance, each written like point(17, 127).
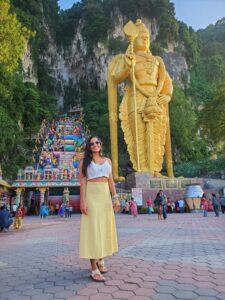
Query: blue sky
point(195, 13)
point(199, 13)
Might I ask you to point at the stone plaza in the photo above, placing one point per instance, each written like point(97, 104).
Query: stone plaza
point(182, 257)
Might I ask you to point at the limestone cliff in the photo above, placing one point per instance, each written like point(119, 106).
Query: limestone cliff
point(73, 64)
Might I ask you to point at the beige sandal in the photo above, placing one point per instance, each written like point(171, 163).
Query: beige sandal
point(97, 276)
point(101, 266)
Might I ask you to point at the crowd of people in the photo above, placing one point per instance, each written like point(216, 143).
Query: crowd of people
point(212, 204)
point(63, 210)
point(14, 215)
point(163, 205)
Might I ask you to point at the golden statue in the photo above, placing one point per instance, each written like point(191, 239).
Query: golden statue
point(144, 112)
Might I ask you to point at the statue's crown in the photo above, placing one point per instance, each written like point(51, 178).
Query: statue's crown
point(141, 26)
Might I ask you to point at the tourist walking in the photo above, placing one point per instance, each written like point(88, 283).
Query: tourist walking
point(52, 209)
point(14, 208)
point(181, 205)
point(67, 209)
point(149, 205)
point(98, 237)
point(169, 206)
point(57, 208)
point(43, 211)
point(23, 209)
point(5, 219)
point(164, 204)
point(215, 205)
point(222, 204)
point(176, 204)
point(70, 211)
point(127, 207)
point(61, 211)
point(18, 218)
point(122, 205)
point(133, 207)
point(205, 205)
point(158, 204)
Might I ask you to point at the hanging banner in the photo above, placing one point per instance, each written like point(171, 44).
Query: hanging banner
point(137, 195)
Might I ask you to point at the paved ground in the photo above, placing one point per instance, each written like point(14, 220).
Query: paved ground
point(180, 258)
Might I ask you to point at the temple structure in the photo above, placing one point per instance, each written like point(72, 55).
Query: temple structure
point(54, 177)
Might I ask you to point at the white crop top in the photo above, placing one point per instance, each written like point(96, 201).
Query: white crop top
point(96, 170)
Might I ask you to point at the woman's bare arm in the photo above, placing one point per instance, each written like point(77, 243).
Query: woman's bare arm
point(83, 184)
point(113, 190)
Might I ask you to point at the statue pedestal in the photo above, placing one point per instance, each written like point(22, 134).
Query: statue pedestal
point(138, 180)
point(146, 180)
point(174, 188)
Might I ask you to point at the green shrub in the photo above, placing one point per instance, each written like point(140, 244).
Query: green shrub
point(143, 210)
point(199, 168)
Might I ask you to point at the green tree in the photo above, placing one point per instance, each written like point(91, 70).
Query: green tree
point(96, 114)
point(8, 134)
point(183, 120)
point(212, 117)
point(22, 105)
point(31, 103)
point(97, 23)
point(214, 68)
point(13, 38)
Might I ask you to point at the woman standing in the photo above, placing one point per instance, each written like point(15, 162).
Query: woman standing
point(98, 237)
point(133, 207)
point(18, 219)
point(127, 207)
point(158, 204)
point(205, 205)
point(61, 211)
point(149, 204)
point(43, 211)
point(215, 205)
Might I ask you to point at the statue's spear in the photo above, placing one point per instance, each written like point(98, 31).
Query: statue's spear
point(131, 32)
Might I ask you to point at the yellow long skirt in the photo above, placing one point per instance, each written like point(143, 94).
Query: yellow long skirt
point(98, 236)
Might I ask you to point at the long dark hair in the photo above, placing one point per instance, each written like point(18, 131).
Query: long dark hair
point(88, 154)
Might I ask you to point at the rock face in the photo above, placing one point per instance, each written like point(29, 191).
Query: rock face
point(72, 65)
point(28, 66)
point(176, 64)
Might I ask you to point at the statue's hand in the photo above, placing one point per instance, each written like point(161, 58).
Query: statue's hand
point(163, 99)
point(130, 57)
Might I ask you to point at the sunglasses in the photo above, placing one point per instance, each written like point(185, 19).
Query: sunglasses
point(92, 143)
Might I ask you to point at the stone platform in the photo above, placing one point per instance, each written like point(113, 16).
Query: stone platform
point(182, 257)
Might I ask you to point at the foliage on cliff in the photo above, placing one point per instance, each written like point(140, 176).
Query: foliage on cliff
point(13, 39)
point(22, 105)
point(93, 16)
point(212, 116)
point(41, 17)
point(206, 89)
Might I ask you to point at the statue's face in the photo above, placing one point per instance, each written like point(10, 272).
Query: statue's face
point(142, 41)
